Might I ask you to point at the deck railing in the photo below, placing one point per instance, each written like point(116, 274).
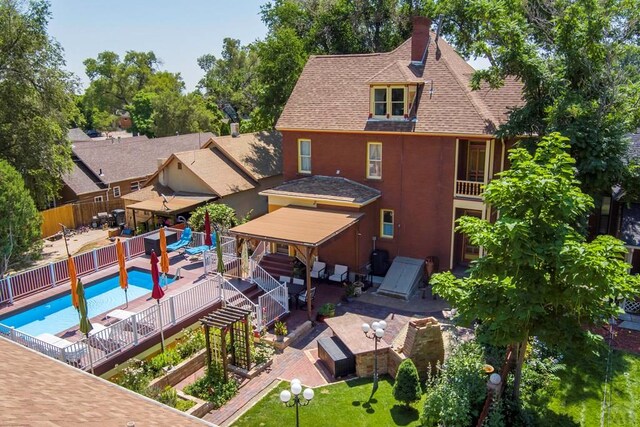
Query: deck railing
point(260, 252)
point(469, 188)
point(126, 333)
point(37, 279)
point(262, 278)
point(272, 305)
point(232, 296)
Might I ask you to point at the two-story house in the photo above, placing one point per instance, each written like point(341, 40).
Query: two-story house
point(399, 138)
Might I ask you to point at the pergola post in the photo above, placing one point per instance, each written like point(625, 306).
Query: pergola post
point(223, 339)
point(207, 341)
point(247, 343)
point(308, 256)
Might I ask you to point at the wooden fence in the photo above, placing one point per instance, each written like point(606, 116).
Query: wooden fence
point(52, 218)
point(74, 215)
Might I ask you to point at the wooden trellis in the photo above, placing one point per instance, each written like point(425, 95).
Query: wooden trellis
point(233, 325)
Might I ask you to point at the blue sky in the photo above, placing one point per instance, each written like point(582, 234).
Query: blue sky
point(177, 31)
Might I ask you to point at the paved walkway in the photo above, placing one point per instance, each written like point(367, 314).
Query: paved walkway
point(300, 360)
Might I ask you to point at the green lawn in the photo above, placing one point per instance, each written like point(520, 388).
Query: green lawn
point(343, 404)
point(582, 388)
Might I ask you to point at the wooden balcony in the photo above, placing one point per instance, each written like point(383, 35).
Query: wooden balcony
point(469, 189)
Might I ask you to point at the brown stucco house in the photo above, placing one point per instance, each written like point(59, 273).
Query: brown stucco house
point(400, 140)
point(109, 169)
point(230, 169)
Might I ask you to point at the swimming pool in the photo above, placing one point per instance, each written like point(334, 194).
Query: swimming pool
point(56, 315)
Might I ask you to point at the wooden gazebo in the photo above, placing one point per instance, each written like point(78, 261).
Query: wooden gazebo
point(234, 323)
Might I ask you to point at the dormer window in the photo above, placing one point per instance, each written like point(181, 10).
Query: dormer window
point(388, 102)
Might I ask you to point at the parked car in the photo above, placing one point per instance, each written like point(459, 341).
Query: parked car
point(93, 133)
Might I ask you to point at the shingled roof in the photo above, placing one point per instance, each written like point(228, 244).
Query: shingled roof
point(330, 188)
point(332, 93)
point(130, 158)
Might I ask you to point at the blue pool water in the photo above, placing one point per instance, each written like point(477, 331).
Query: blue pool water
point(56, 315)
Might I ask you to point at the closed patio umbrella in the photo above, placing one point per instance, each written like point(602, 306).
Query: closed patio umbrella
point(244, 260)
point(219, 254)
point(164, 255)
point(85, 324)
point(157, 293)
point(124, 278)
point(73, 278)
point(207, 229)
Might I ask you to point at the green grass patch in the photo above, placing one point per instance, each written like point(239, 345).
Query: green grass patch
point(581, 390)
point(343, 404)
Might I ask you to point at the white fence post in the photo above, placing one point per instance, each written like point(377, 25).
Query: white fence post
point(172, 310)
point(9, 290)
point(53, 274)
point(12, 333)
point(127, 250)
point(134, 326)
point(95, 259)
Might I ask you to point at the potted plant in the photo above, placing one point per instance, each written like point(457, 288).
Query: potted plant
point(326, 310)
point(280, 329)
point(349, 291)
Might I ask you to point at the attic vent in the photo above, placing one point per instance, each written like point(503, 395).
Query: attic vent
point(179, 165)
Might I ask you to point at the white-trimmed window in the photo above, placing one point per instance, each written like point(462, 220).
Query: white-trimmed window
point(388, 102)
point(304, 156)
point(386, 223)
point(135, 186)
point(374, 160)
point(98, 199)
point(116, 191)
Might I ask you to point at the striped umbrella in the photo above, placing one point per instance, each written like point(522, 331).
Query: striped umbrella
point(85, 324)
point(164, 255)
point(124, 278)
point(73, 278)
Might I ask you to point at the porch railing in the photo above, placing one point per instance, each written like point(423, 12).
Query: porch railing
point(37, 279)
point(262, 278)
point(126, 333)
point(469, 188)
point(260, 252)
point(232, 296)
point(273, 305)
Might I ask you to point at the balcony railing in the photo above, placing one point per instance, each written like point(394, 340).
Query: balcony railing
point(469, 189)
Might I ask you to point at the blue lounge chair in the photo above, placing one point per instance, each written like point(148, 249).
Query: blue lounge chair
point(197, 250)
point(185, 239)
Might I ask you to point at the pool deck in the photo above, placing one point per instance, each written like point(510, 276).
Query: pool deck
point(190, 274)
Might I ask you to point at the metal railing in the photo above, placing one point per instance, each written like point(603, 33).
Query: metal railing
point(126, 333)
point(260, 252)
point(469, 188)
point(232, 296)
point(262, 278)
point(37, 279)
point(272, 305)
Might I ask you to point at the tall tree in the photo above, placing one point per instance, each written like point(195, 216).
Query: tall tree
point(538, 276)
point(20, 221)
point(36, 98)
point(576, 61)
point(174, 113)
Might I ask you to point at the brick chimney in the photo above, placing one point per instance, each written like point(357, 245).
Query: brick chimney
point(419, 38)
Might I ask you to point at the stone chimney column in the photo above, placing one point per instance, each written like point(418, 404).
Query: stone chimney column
point(420, 38)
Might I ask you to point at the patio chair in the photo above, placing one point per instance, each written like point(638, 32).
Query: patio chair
point(109, 341)
point(199, 250)
point(298, 281)
point(185, 239)
point(302, 298)
point(340, 273)
point(319, 270)
point(285, 279)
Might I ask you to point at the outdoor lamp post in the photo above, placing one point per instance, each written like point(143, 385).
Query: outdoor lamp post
point(375, 332)
point(296, 389)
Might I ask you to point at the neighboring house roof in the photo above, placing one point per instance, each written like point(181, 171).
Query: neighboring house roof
point(38, 390)
point(630, 227)
point(150, 191)
point(80, 180)
point(332, 93)
point(215, 170)
point(259, 154)
point(328, 188)
point(76, 134)
point(132, 158)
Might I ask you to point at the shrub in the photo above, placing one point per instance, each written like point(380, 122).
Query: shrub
point(262, 353)
point(212, 387)
point(184, 405)
point(455, 398)
point(134, 377)
point(156, 365)
point(327, 309)
point(407, 388)
point(191, 342)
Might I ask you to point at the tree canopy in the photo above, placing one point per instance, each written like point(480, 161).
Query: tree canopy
point(19, 220)
point(36, 98)
point(221, 216)
point(578, 63)
point(538, 275)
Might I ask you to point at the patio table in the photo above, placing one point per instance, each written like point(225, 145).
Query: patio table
point(294, 291)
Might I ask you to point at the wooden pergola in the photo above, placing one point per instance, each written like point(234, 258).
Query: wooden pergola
point(304, 229)
point(235, 322)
